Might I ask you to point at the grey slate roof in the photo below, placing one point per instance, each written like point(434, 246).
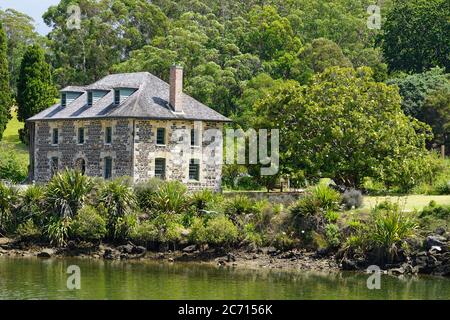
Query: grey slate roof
point(150, 101)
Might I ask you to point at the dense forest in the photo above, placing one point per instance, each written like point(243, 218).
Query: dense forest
point(274, 64)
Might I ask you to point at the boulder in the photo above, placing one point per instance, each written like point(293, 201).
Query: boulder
point(231, 257)
point(190, 249)
point(440, 231)
point(108, 255)
point(139, 250)
point(435, 240)
point(46, 253)
point(349, 265)
point(128, 248)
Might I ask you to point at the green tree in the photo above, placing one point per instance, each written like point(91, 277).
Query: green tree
point(415, 88)
point(416, 35)
point(5, 91)
point(35, 89)
point(21, 33)
point(344, 126)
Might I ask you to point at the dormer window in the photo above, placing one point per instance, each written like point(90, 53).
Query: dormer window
point(117, 97)
point(90, 99)
point(63, 100)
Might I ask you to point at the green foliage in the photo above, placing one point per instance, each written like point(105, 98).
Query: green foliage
point(349, 127)
point(416, 35)
point(221, 231)
point(118, 199)
point(284, 242)
point(171, 198)
point(145, 233)
point(35, 89)
point(28, 231)
point(206, 200)
point(384, 233)
point(332, 235)
point(88, 224)
point(238, 206)
point(11, 168)
point(5, 91)
point(66, 192)
point(32, 206)
point(317, 207)
point(145, 193)
point(57, 230)
point(8, 201)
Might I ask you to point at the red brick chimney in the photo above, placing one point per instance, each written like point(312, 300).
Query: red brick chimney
point(176, 88)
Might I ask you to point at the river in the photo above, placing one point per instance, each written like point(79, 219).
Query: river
point(33, 278)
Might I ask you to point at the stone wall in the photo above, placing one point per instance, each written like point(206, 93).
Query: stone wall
point(131, 157)
point(177, 166)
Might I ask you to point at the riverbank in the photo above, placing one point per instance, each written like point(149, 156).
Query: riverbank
point(265, 258)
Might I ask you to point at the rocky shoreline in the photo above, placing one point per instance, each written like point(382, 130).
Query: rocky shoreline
point(431, 257)
point(268, 258)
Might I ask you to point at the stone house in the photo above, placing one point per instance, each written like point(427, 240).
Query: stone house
point(125, 125)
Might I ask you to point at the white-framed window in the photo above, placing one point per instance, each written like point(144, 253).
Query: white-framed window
point(108, 135)
point(161, 136)
point(160, 168)
point(55, 136)
point(194, 170)
point(80, 135)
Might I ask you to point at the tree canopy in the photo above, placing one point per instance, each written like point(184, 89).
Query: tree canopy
point(5, 91)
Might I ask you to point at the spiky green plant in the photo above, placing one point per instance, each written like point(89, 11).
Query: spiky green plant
point(118, 200)
point(171, 198)
point(67, 191)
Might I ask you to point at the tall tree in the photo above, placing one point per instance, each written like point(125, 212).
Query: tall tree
point(416, 35)
point(35, 89)
point(5, 91)
point(21, 33)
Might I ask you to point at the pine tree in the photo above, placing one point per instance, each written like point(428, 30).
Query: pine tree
point(35, 88)
point(5, 91)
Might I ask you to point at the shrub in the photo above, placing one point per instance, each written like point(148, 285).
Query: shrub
point(310, 212)
point(8, 205)
point(206, 200)
point(66, 192)
point(32, 205)
point(198, 231)
point(238, 206)
point(11, 169)
point(118, 200)
point(436, 211)
point(332, 216)
point(57, 230)
point(28, 231)
point(332, 235)
point(145, 193)
point(221, 231)
point(284, 242)
point(144, 233)
point(352, 199)
point(251, 235)
point(88, 225)
point(171, 198)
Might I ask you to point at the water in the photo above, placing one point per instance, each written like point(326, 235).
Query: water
point(32, 278)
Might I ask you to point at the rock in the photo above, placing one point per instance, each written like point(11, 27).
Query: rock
point(396, 271)
point(231, 257)
point(139, 250)
point(124, 256)
point(287, 255)
point(46, 253)
point(128, 248)
point(440, 231)
point(161, 255)
point(108, 255)
point(437, 240)
point(170, 260)
point(190, 249)
point(349, 265)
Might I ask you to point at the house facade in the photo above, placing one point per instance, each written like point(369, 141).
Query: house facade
point(132, 125)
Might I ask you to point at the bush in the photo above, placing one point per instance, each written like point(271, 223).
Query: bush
point(436, 211)
point(57, 230)
point(8, 205)
point(11, 169)
point(284, 242)
point(145, 193)
point(144, 233)
point(28, 231)
point(352, 199)
point(88, 225)
point(311, 211)
point(32, 205)
point(171, 198)
point(118, 200)
point(332, 235)
point(198, 231)
point(238, 206)
point(66, 192)
point(220, 231)
point(206, 200)
point(251, 235)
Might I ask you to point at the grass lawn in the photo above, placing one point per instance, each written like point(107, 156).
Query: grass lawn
point(409, 203)
point(11, 141)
